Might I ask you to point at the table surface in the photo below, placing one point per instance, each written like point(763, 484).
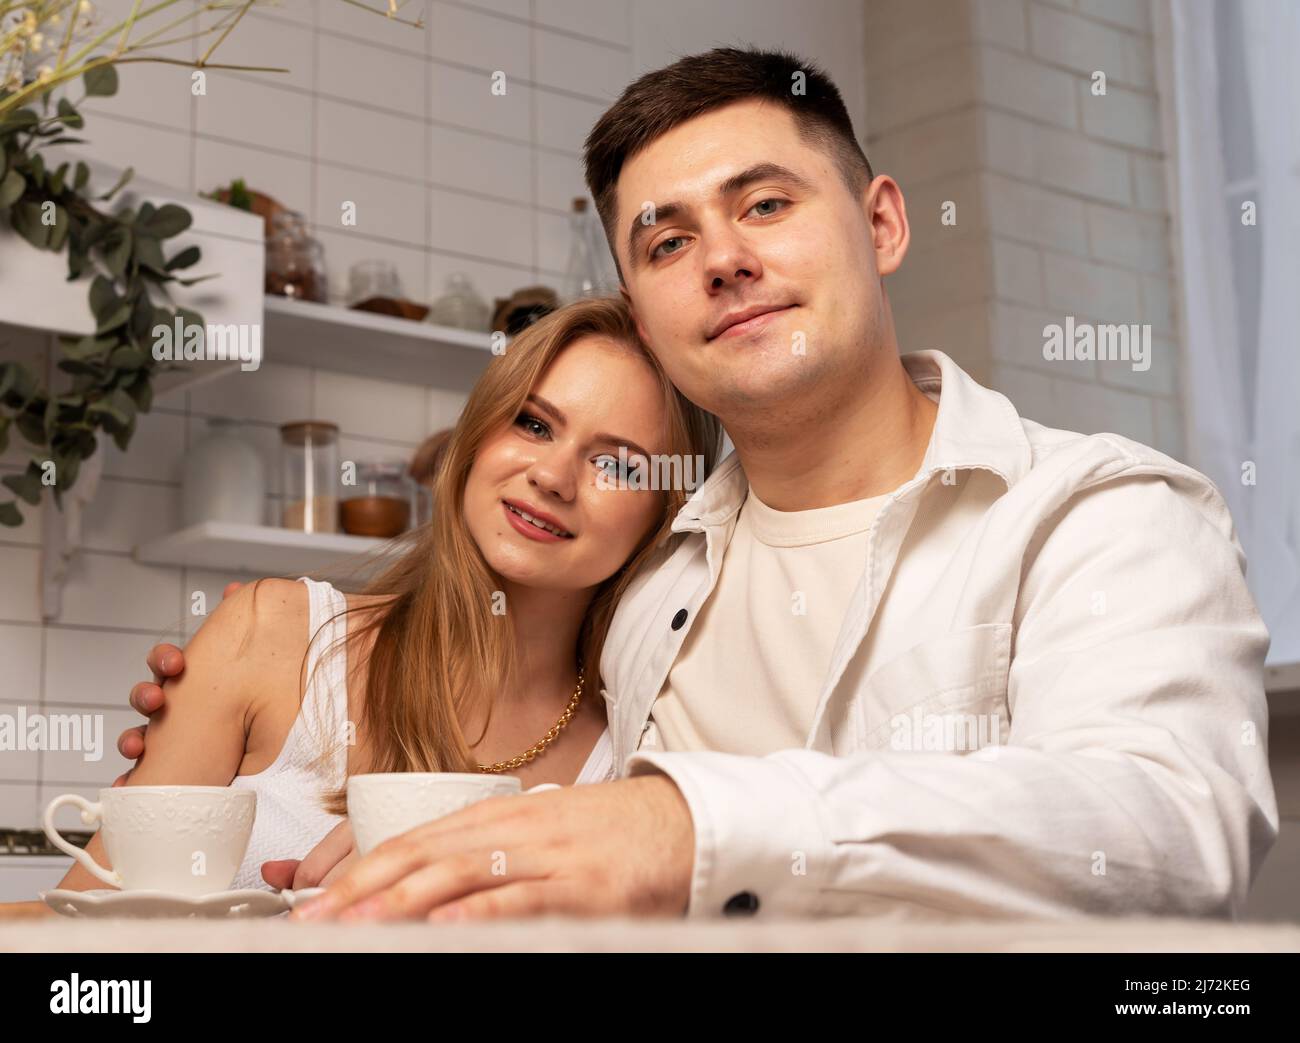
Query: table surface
point(61, 934)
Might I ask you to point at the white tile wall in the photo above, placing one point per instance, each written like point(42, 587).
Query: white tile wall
point(20, 651)
point(85, 667)
point(18, 765)
point(1072, 216)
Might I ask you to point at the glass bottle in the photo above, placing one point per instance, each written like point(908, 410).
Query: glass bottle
point(586, 274)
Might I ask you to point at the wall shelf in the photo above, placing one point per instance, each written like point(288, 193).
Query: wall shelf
point(366, 344)
point(262, 549)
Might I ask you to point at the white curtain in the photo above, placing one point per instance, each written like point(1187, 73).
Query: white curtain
point(1230, 73)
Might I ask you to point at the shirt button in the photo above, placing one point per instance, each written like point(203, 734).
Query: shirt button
point(743, 904)
point(679, 620)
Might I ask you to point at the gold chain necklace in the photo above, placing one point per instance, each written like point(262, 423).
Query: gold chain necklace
point(545, 740)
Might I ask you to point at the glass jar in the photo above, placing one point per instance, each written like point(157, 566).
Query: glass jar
point(368, 279)
point(382, 502)
point(460, 306)
point(309, 476)
point(224, 479)
point(295, 262)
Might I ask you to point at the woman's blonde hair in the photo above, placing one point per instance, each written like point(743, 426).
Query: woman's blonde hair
point(438, 647)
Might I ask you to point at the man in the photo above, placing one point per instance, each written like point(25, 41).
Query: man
point(914, 652)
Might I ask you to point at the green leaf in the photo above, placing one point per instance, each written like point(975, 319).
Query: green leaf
point(51, 420)
point(30, 427)
point(66, 466)
point(81, 177)
point(71, 117)
point(4, 432)
point(167, 221)
point(103, 296)
point(11, 189)
point(101, 81)
point(141, 391)
point(19, 120)
point(26, 486)
point(88, 347)
point(59, 230)
point(10, 515)
point(26, 221)
point(96, 233)
point(185, 259)
point(77, 260)
point(80, 368)
point(117, 252)
point(122, 436)
point(115, 318)
point(56, 180)
point(148, 251)
point(117, 405)
point(17, 385)
point(126, 176)
point(127, 357)
point(197, 279)
point(139, 328)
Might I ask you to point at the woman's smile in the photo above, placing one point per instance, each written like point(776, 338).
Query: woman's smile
point(532, 526)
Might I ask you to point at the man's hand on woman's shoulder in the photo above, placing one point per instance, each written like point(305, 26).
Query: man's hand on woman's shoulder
point(165, 662)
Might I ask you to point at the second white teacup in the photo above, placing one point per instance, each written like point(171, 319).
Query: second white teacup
point(385, 804)
point(187, 840)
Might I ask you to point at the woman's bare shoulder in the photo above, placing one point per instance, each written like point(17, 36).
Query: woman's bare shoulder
point(263, 624)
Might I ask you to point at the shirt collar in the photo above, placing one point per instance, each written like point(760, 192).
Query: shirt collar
point(976, 427)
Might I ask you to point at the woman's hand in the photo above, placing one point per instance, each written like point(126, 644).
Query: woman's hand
point(327, 861)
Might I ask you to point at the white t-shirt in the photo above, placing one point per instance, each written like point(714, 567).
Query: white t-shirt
point(750, 672)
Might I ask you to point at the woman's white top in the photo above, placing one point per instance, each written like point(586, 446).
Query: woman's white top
point(290, 820)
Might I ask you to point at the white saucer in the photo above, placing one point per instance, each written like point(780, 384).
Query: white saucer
point(222, 905)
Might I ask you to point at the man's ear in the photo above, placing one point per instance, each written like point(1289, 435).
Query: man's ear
point(886, 216)
point(640, 329)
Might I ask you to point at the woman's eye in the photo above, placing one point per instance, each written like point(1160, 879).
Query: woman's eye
point(532, 425)
point(613, 466)
point(621, 469)
point(674, 239)
point(767, 202)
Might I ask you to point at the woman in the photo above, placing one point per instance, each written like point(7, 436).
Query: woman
point(479, 648)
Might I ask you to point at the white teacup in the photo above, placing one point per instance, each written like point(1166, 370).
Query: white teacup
point(186, 840)
point(386, 804)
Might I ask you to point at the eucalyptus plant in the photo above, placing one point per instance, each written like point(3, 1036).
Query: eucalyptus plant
point(46, 45)
point(109, 370)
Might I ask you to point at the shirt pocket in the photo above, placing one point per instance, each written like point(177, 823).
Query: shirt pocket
point(947, 694)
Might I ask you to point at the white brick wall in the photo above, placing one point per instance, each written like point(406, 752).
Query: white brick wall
point(1071, 216)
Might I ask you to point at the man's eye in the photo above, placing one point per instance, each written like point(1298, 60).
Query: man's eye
point(674, 239)
point(766, 202)
point(532, 425)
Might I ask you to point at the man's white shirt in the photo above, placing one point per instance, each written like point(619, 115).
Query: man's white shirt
point(1044, 696)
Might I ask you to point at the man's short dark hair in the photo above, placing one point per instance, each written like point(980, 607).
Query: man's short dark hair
point(700, 83)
